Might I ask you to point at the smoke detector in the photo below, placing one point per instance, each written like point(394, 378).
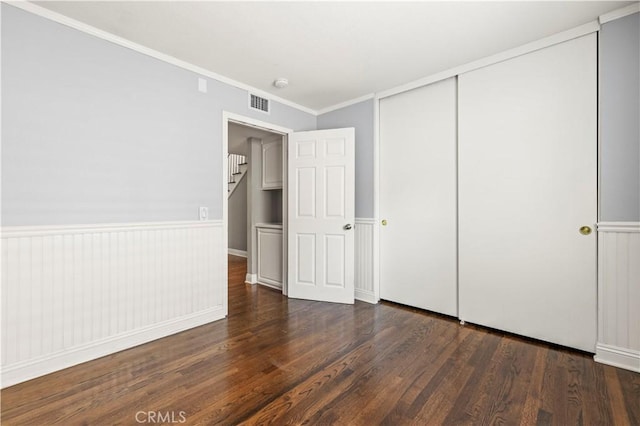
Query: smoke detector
point(281, 83)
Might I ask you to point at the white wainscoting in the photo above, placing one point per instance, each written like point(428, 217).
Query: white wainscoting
point(75, 293)
point(364, 260)
point(619, 295)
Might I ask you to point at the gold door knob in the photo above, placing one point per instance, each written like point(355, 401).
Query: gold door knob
point(585, 230)
point(384, 222)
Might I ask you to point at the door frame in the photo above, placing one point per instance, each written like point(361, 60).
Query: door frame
point(230, 117)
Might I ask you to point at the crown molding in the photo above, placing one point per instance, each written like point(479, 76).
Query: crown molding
point(104, 35)
point(619, 13)
point(563, 36)
point(536, 45)
point(346, 103)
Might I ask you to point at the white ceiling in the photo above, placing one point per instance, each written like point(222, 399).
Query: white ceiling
point(331, 52)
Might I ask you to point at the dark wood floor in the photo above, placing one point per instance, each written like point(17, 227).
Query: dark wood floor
point(284, 361)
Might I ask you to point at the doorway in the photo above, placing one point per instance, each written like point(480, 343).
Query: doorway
point(254, 194)
point(318, 242)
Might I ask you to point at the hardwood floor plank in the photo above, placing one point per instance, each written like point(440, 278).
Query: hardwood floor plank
point(282, 361)
point(544, 418)
point(488, 402)
point(630, 387)
point(435, 399)
point(616, 398)
point(598, 409)
point(316, 389)
point(532, 400)
point(391, 367)
point(480, 360)
point(550, 385)
point(511, 384)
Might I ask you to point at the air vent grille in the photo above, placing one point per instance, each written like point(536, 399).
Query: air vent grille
point(258, 103)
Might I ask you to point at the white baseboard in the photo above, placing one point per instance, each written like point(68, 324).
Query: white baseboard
point(36, 367)
point(366, 296)
point(251, 279)
point(618, 357)
point(270, 285)
point(235, 252)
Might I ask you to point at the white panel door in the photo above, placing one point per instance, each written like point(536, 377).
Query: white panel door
point(321, 214)
point(527, 184)
point(418, 198)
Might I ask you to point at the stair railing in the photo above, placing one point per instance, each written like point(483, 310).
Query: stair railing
point(233, 168)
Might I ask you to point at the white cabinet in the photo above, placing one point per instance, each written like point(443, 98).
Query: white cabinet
point(272, 164)
point(270, 255)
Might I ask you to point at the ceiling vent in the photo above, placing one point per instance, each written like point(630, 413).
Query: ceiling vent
point(258, 103)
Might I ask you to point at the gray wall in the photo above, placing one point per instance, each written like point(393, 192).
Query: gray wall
point(238, 216)
point(93, 132)
point(620, 119)
point(360, 116)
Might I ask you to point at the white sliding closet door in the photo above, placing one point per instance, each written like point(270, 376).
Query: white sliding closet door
point(527, 184)
point(418, 197)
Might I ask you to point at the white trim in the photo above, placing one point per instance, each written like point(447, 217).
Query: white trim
point(365, 221)
point(29, 231)
point(104, 35)
point(346, 104)
point(269, 225)
point(618, 357)
point(618, 226)
point(493, 59)
point(269, 284)
point(88, 29)
point(33, 368)
point(224, 191)
point(366, 296)
point(376, 198)
point(285, 214)
point(235, 252)
point(599, 131)
point(619, 13)
point(251, 122)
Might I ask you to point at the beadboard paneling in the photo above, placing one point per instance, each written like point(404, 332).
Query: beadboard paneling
point(364, 260)
point(619, 295)
point(74, 293)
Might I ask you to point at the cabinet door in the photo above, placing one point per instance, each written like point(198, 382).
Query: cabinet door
point(527, 184)
point(418, 198)
point(272, 165)
point(270, 257)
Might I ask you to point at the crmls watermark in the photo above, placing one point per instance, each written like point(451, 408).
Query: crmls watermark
point(161, 417)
